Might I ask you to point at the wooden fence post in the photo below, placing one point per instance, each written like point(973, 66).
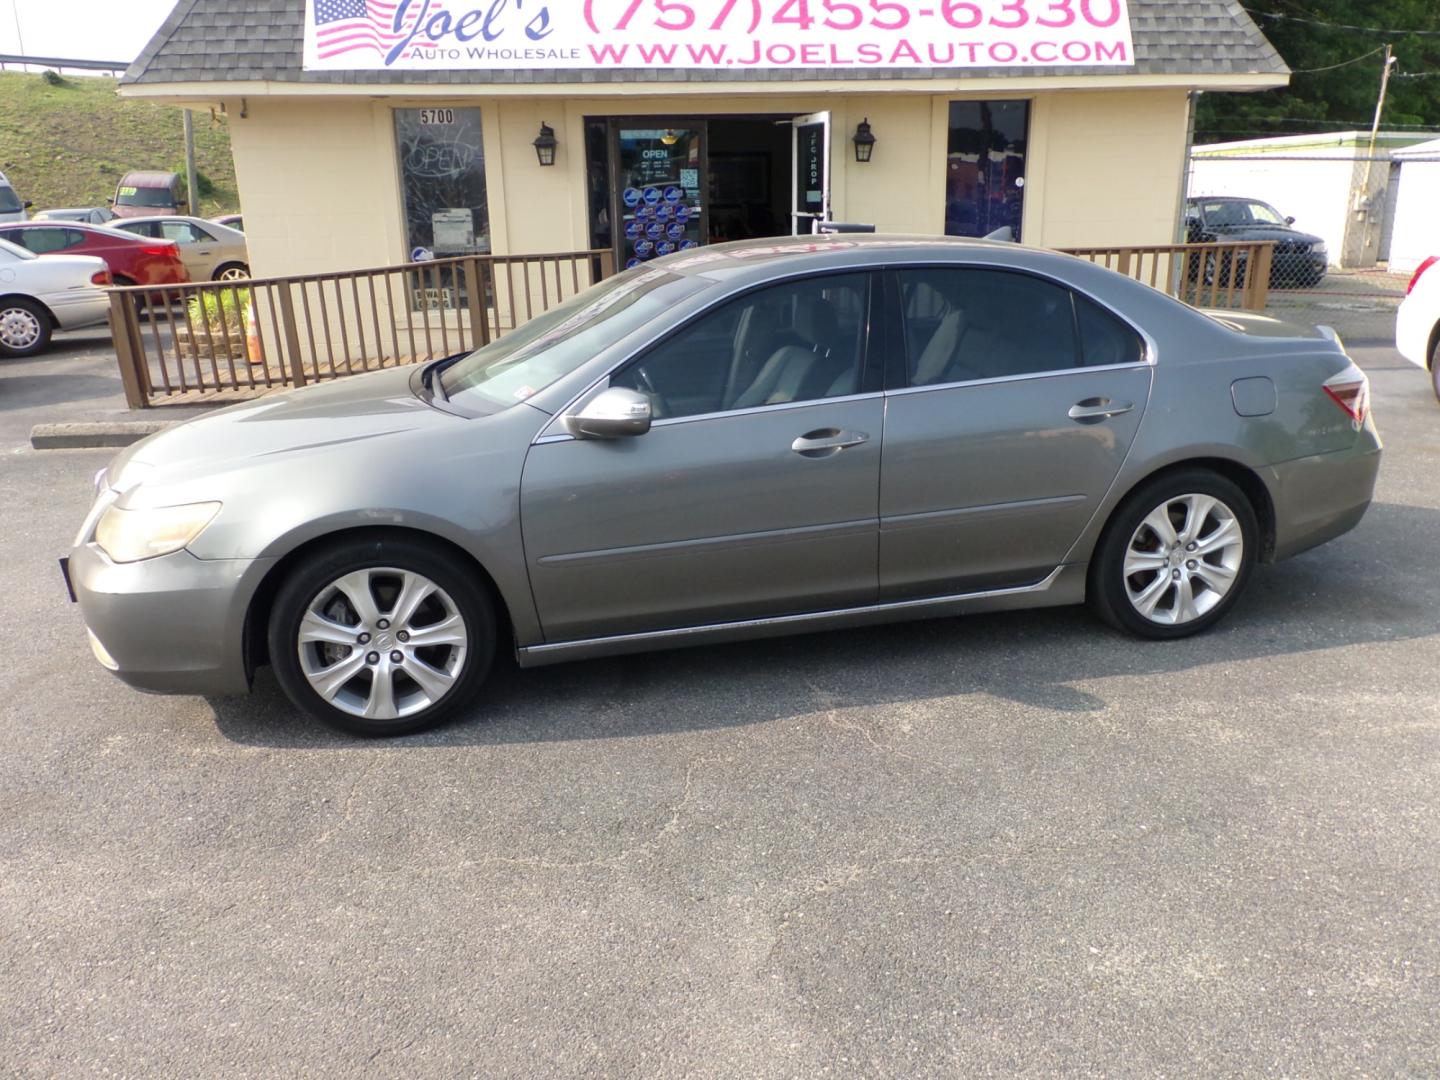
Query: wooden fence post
point(124, 332)
point(293, 360)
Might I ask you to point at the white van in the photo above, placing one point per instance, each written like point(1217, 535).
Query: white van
point(11, 208)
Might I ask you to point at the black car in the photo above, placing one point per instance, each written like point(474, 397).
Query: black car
point(1300, 258)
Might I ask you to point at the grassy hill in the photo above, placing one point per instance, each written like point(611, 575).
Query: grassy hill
point(69, 144)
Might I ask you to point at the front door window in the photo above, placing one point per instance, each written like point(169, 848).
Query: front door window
point(985, 168)
point(660, 201)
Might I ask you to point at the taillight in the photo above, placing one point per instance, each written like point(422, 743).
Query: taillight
point(163, 251)
point(1351, 391)
point(101, 277)
point(1431, 261)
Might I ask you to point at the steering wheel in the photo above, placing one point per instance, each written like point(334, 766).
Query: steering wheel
point(646, 385)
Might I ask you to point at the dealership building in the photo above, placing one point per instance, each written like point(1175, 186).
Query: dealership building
point(369, 132)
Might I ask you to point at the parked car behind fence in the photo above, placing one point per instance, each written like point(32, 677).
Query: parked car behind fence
point(39, 296)
point(145, 194)
point(89, 215)
point(211, 252)
point(133, 260)
point(1300, 259)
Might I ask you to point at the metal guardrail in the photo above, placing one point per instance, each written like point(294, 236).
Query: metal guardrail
point(218, 340)
point(1227, 275)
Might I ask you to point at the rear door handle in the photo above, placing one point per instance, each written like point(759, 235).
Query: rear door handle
point(827, 442)
point(1093, 410)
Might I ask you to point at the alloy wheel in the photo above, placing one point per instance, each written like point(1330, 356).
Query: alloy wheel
point(234, 273)
point(1183, 559)
point(20, 328)
point(382, 643)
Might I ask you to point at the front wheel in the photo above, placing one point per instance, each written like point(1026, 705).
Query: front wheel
point(232, 272)
point(1175, 557)
point(24, 327)
point(381, 637)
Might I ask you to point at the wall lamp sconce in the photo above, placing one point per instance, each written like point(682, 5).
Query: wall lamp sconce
point(545, 144)
point(864, 141)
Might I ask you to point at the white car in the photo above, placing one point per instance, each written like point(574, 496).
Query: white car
point(1417, 326)
point(39, 296)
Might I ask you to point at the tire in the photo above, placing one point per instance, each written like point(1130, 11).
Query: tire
point(231, 272)
point(1435, 363)
point(25, 327)
point(339, 672)
point(1215, 573)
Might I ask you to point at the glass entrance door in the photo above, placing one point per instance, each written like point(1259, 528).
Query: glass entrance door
point(810, 184)
point(659, 199)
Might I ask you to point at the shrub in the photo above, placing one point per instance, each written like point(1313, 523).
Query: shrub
point(221, 311)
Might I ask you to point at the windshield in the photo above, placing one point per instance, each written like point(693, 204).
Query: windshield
point(9, 201)
point(9, 250)
point(144, 196)
point(551, 346)
point(1262, 214)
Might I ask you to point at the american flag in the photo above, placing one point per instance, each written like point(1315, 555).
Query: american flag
point(343, 26)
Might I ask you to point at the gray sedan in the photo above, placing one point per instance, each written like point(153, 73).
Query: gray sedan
point(739, 441)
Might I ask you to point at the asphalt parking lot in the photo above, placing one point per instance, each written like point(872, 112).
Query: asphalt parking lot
point(1002, 845)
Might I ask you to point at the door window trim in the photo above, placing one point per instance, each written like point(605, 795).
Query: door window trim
point(897, 368)
point(872, 377)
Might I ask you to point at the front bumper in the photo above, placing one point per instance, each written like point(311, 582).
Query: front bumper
point(1319, 498)
point(1413, 327)
point(171, 625)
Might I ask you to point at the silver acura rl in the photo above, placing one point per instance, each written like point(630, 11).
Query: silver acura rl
point(752, 439)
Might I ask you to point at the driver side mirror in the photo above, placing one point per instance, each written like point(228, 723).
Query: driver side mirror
point(28, 204)
point(1289, 221)
point(612, 414)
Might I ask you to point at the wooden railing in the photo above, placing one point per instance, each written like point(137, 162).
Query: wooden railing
point(1207, 275)
point(229, 340)
point(219, 340)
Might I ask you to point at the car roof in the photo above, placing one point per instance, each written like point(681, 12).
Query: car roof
point(149, 178)
point(102, 231)
point(744, 262)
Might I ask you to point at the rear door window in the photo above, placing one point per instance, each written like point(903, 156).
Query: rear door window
point(964, 325)
point(41, 240)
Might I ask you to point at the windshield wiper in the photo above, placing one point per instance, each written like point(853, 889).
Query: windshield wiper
point(429, 378)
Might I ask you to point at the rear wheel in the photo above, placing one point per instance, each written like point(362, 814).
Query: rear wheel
point(1175, 557)
point(381, 637)
point(232, 272)
point(24, 327)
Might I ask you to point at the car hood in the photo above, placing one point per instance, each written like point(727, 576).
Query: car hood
point(279, 426)
point(1264, 232)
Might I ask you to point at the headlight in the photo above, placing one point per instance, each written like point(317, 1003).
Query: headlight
point(132, 535)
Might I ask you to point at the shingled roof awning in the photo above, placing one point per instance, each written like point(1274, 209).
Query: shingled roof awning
point(220, 42)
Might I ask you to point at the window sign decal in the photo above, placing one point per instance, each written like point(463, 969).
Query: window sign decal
point(719, 35)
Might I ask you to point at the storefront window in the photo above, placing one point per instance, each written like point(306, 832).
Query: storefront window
point(442, 172)
point(985, 167)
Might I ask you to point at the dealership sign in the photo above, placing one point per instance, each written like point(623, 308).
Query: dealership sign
point(448, 35)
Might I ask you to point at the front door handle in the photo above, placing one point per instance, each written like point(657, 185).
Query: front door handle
point(827, 442)
point(1093, 410)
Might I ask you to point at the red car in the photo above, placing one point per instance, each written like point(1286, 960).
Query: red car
point(133, 260)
